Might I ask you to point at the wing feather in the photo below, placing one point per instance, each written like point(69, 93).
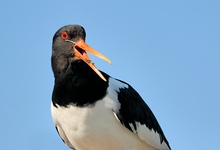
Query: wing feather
point(136, 116)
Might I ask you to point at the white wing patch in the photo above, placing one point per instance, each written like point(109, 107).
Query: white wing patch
point(151, 137)
point(111, 99)
point(132, 128)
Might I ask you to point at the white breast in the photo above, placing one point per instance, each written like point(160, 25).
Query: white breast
point(94, 128)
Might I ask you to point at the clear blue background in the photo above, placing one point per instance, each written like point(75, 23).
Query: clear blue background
point(169, 51)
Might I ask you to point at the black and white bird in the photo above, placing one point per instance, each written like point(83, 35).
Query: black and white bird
point(92, 110)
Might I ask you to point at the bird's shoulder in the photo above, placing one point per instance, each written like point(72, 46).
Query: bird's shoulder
point(135, 114)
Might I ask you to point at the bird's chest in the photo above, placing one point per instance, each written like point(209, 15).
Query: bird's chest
point(83, 127)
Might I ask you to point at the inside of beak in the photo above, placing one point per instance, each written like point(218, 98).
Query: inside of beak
point(80, 49)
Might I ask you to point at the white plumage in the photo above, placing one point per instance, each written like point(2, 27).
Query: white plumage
point(90, 109)
point(98, 128)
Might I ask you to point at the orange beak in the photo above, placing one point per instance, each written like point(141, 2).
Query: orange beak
point(80, 44)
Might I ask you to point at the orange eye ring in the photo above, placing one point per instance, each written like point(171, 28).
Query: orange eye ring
point(64, 35)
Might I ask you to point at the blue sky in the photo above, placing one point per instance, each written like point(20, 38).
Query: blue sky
point(169, 51)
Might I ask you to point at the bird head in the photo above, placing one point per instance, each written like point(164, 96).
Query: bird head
point(69, 46)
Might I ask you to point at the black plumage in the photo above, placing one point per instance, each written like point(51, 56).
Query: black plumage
point(81, 90)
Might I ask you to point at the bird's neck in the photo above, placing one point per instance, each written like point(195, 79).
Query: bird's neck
point(79, 85)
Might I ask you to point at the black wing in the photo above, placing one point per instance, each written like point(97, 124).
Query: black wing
point(134, 110)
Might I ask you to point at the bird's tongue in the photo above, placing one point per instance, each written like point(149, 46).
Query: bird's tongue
point(82, 54)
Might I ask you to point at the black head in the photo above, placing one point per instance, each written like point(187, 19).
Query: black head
point(68, 32)
point(77, 80)
point(62, 51)
point(68, 47)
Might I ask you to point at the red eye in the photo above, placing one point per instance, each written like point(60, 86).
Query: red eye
point(64, 35)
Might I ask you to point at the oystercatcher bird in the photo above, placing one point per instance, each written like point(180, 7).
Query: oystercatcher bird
point(92, 110)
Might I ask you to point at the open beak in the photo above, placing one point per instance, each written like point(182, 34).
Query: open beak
point(80, 49)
